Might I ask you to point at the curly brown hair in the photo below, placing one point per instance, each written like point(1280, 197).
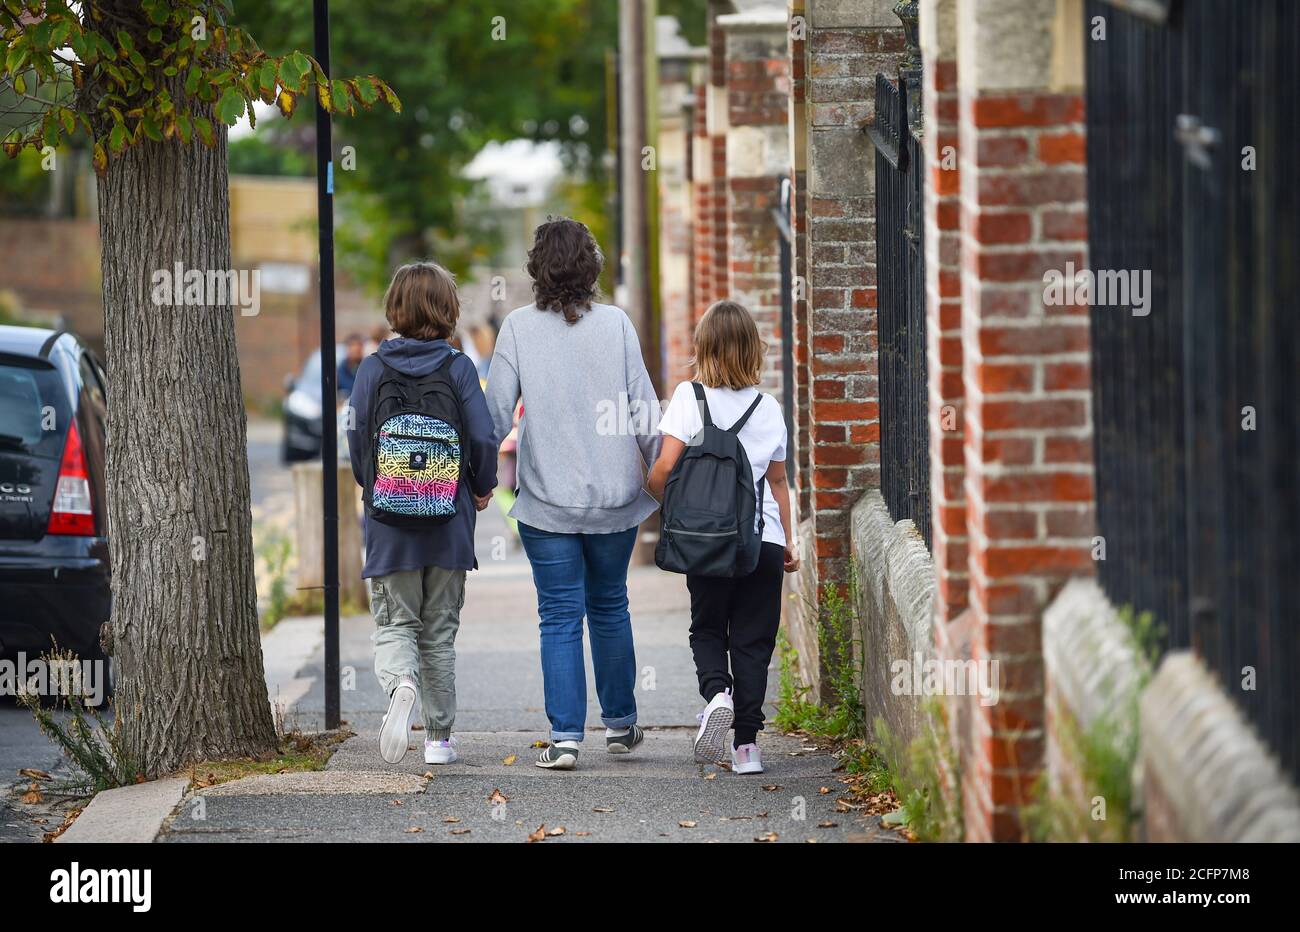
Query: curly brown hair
point(564, 263)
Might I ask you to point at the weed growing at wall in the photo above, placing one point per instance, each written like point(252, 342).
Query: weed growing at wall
point(1095, 800)
point(925, 776)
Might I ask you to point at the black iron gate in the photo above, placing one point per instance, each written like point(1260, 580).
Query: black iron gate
point(1193, 123)
point(900, 282)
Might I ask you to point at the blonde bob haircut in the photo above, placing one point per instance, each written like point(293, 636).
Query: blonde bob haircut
point(728, 350)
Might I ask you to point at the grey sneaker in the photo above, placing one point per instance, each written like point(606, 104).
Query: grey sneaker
point(624, 743)
point(561, 756)
point(395, 730)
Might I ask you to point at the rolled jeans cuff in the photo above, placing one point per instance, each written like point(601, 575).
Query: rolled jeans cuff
point(557, 736)
point(621, 722)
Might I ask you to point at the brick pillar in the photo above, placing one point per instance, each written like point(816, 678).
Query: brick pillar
point(702, 207)
point(716, 126)
point(943, 307)
point(801, 442)
point(848, 41)
point(757, 89)
point(675, 131)
point(1029, 483)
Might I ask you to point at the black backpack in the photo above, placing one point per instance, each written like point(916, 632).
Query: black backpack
point(709, 506)
point(417, 448)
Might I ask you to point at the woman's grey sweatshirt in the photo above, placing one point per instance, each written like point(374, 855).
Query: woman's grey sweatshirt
point(590, 424)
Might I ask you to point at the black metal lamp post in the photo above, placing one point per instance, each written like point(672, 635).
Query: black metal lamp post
point(328, 371)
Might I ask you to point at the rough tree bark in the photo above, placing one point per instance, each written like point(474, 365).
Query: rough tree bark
point(184, 633)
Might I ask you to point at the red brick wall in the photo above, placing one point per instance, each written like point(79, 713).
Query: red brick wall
point(841, 271)
point(1027, 454)
point(943, 337)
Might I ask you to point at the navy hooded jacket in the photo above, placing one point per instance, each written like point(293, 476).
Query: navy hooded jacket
point(450, 545)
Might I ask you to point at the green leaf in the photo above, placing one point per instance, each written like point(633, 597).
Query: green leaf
point(117, 138)
point(192, 81)
point(339, 94)
point(366, 91)
point(155, 35)
point(99, 158)
point(185, 127)
point(390, 98)
point(69, 120)
point(293, 69)
point(231, 106)
point(20, 84)
point(206, 133)
point(151, 129)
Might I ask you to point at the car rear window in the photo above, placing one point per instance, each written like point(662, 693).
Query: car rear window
point(34, 409)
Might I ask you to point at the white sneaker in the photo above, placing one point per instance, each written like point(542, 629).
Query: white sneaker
point(715, 722)
point(440, 752)
point(746, 759)
point(395, 730)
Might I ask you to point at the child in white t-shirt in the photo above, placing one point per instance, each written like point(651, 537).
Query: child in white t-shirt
point(734, 622)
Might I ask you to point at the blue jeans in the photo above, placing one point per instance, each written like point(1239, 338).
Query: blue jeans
point(576, 575)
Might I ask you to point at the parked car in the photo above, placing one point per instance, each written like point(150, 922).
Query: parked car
point(54, 562)
point(302, 409)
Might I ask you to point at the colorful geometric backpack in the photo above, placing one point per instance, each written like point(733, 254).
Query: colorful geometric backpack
point(417, 448)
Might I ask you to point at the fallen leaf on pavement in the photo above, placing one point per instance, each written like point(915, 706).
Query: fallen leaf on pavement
point(32, 796)
point(766, 836)
point(451, 819)
point(772, 787)
point(711, 776)
point(509, 761)
point(540, 744)
point(460, 831)
point(601, 809)
point(498, 798)
point(428, 775)
point(397, 802)
point(539, 835)
point(823, 790)
point(581, 834)
point(688, 823)
point(762, 815)
point(32, 774)
point(558, 830)
point(827, 824)
point(413, 829)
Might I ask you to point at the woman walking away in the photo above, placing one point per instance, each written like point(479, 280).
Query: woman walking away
point(734, 620)
point(422, 449)
point(577, 366)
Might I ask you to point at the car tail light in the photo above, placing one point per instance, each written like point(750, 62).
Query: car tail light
point(73, 512)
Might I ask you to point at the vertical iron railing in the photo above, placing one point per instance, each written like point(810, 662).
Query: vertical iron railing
point(900, 282)
point(1192, 120)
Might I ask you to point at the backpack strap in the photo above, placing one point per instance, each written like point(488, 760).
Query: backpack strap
point(704, 404)
point(736, 427)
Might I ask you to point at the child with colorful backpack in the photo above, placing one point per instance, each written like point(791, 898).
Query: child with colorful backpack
point(726, 525)
point(421, 446)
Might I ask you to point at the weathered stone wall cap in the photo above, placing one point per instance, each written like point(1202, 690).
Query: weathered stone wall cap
point(1220, 778)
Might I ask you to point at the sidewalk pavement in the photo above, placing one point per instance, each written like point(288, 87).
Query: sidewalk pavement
point(494, 793)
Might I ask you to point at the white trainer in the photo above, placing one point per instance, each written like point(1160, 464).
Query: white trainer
point(395, 730)
point(440, 752)
point(746, 759)
point(715, 722)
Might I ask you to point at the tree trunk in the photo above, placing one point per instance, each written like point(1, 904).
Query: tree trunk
point(184, 633)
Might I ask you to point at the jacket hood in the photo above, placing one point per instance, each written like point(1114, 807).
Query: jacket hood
point(414, 357)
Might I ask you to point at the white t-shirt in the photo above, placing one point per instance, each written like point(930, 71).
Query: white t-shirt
point(763, 435)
